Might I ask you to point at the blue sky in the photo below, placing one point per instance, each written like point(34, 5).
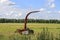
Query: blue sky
point(17, 9)
point(30, 3)
point(35, 3)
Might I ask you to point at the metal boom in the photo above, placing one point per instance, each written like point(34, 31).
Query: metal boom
point(25, 21)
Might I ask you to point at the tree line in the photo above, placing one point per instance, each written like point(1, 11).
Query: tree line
point(2, 20)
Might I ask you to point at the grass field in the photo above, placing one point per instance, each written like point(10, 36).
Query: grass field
point(11, 27)
point(8, 29)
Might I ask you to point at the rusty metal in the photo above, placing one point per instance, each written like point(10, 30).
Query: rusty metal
point(26, 30)
point(25, 21)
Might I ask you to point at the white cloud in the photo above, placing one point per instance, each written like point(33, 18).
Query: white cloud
point(58, 11)
point(8, 10)
point(42, 9)
point(48, 11)
point(2, 1)
point(19, 14)
point(52, 5)
point(6, 2)
point(7, 14)
point(51, 0)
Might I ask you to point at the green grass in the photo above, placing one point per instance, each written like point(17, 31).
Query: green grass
point(37, 27)
point(8, 29)
point(11, 27)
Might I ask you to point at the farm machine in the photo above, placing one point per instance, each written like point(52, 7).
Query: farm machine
point(26, 30)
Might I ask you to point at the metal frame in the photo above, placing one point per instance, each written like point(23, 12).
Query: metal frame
point(25, 21)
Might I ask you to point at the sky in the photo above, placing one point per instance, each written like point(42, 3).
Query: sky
point(18, 9)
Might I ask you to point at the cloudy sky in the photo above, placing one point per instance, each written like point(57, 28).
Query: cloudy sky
point(17, 9)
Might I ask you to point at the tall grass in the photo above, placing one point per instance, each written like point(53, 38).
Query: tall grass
point(45, 34)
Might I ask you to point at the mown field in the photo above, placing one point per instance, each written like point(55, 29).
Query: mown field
point(7, 31)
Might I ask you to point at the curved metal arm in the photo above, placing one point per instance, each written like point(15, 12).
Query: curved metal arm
point(25, 24)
